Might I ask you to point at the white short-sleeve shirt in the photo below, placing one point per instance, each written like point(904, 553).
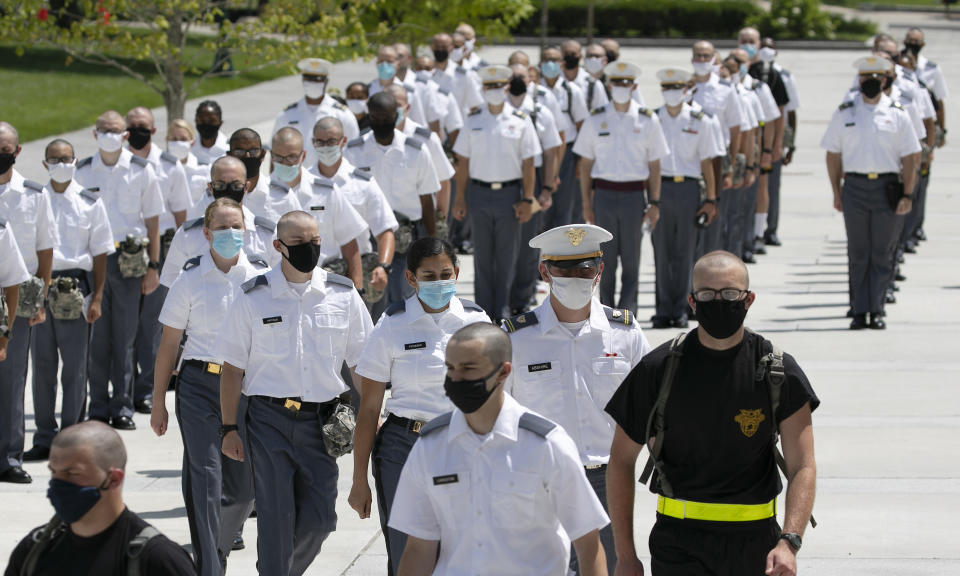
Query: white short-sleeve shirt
point(932, 76)
point(174, 185)
point(693, 136)
point(871, 138)
point(572, 103)
point(129, 189)
point(84, 227)
point(441, 164)
point(337, 222)
point(303, 117)
point(497, 145)
point(26, 208)
point(621, 144)
point(721, 101)
point(271, 200)
point(13, 271)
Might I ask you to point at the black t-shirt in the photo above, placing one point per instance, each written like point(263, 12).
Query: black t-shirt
point(774, 81)
point(717, 441)
point(105, 553)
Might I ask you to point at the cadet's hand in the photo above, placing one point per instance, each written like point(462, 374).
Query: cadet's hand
point(93, 311)
point(459, 208)
point(159, 418)
point(588, 215)
point(727, 182)
point(149, 282)
point(360, 498)
point(40, 318)
point(837, 203)
point(378, 278)
point(628, 567)
point(232, 447)
point(904, 206)
point(766, 160)
point(652, 216)
point(522, 211)
point(545, 199)
point(789, 157)
point(749, 178)
point(3, 348)
point(777, 153)
point(782, 560)
point(710, 209)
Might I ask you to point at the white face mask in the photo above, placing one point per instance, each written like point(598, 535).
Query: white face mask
point(767, 54)
point(673, 97)
point(593, 64)
point(456, 54)
point(62, 173)
point(469, 44)
point(495, 97)
point(357, 106)
point(621, 94)
point(109, 141)
point(573, 293)
point(179, 148)
point(702, 68)
point(314, 90)
point(328, 155)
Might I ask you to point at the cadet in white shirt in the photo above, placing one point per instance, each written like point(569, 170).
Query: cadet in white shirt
point(450, 75)
point(315, 104)
point(404, 169)
point(620, 146)
point(501, 487)
point(180, 141)
point(13, 272)
point(932, 75)
point(406, 351)
point(263, 199)
point(496, 154)
point(594, 96)
point(451, 118)
point(362, 191)
point(571, 353)
point(387, 75)
point(870, 143)
point(79, 272)
point(286, 337)
point(130, 190)
point(212, 143)
point(768, 52)
point(227, 179)
point(196, 307)
point(692, 137)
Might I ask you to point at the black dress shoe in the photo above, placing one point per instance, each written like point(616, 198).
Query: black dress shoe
point(771, 240)
point(859, 322)
point(910, 247)
point(123, 423)
point(36, 454)
point(748, 258)
point(900, 259)
point(758, 246)
point(890, 297)
point(16, 475)
point(849, 312)
point(899, 277)
point(144, 406)
point(660, 322)
point(920, 235)
point(238, 544)
point(877, 323)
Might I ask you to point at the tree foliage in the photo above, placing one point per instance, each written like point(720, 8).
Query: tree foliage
point(415, 21)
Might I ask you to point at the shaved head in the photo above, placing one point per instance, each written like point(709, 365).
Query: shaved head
point(8, 132)
point(749, 35)
point(58, 144)
point(719, 270)
point(496, 343)
point(703, 47)
point(399, 92)
point(111, 119)
point(245, 135)
point(518, 57)
point(140, 116)
point(467, 31)
point(288, 136)
point(328, 123)
point(228, 169)
point(100, 440)
point(296, 223)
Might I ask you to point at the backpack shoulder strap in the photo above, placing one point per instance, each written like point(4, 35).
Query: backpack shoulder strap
point(135, 549)
point(655, 422)
point(42, 537)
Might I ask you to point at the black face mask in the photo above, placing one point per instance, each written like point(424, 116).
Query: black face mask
point(383, 129)
point(721, 319)
point(303, 257)
point(441, 55)
point(912, 49)
point(208, 131)
point(139, 137)
point(517, 86)
point(571, 61)
point(7, 160)
point(611, 56)
point(469, 395)
point(871, 87)
point(252, 164)
point(233, 191)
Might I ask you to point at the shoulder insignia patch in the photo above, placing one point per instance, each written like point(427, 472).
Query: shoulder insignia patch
point(443, 91)
point(192, 263)
point(396, 308)
point(471, 305)
point(474, 111)
point(257, 261)
point(89, 196)
point(339, 106)
point(521, 321)
point(413, 142)
point(265, 223)
point(408, 88)
point(355, 143)
point(724, 82)
point(31, 185)
point(441, 421)
point(846, 105)
point(698, 114)
point(930, 65)
point(253, 283)
point(896, 105)
point(338, 279)
point(422, 132)
point(139, 161)
point(536, 424)
point(361, 175)
point(193, 224)
point(618, 316)
point(646, 112)
point(168, 157)
point(85, 162)
point(599, 110)
point(461, 70)
point(520, 114)
point(3, 223)
point(292, 106)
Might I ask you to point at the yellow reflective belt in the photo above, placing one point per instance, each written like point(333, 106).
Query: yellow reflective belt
point(685, 509)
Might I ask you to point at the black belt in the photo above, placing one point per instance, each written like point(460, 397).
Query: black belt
point(678, 179)
point(631, 186)
point(208, 367)
point(295, 405)
point(496, 185)
point(871, 175)
point(408, 423)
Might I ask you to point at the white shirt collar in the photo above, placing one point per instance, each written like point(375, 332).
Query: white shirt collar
point(507, 424)
point(547, 317)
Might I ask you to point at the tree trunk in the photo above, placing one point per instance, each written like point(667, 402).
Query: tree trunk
point(174, 95)
point(175, 91)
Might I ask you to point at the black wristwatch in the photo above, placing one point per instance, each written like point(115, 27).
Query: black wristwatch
point(793, 539)
point(386, 267)
point(527, 200)
point(654, 203)
point(710, 201)
point(153, 265)
point(5, 332)
point(227, 428)
point(766, 151)
point(548, 188)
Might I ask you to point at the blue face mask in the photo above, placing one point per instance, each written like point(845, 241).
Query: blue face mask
point(285, 173)
point(750, 49)
point(399, 117)
point(386, 70)
point(743, 70)
point(227, 243)
point(437, 294)
point(550, 69)
point(70, 501)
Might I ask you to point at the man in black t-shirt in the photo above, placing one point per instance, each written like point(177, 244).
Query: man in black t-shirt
point(717, 461)
point(87, 463)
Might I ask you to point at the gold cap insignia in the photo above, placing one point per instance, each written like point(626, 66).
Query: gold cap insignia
point(871, 61)
point(603, 126)
point(669, 73)
point(749, 421)
point(621, 66)
point(576, 235)
point(314, 64)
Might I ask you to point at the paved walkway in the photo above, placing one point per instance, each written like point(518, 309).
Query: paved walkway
point(888, 430)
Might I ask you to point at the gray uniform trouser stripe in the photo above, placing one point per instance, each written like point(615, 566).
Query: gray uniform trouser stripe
point(111, 348)
point(525, 280)
point(457, 231)
point(295, 482)
point(731, 206)
point(496, 244)
point(148, 340)
point(711, 237)
point(621, 214)
point(913, 219)
point(674, 242)
point(218, 491)
point(598, 481)
point(13, 381)
point(53, 341)
point(773, 188)
point(391, 448)
point(872, 232)
point(562, 212)
point(748, 207)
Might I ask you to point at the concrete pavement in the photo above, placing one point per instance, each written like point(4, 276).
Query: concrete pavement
point(889, 427)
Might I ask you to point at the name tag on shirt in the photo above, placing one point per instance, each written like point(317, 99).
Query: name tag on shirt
point(849, 124)
point(273, 320)
point(603, 134)
point(690, 131)
point(317, 208)
point(448, 479)
point(539, 367)
point(415, 346)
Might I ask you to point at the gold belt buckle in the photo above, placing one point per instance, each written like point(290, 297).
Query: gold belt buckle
point(292, 405)
point(213, 368)
point(496, 186)
point(872, 176)
point(417, 425)
point(678, 179)
point(593, 467)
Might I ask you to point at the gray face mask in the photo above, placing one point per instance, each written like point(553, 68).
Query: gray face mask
point(328, 155)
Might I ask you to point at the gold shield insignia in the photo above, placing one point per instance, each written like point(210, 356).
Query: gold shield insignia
point(749, 421)
point(575, 236)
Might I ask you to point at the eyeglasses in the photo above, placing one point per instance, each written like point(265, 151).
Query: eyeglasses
point(726, 294)
point(288, 160)
point(251, 153)
point(60, 160)
point(221, 187)
point(330, 142)
point(312, 78)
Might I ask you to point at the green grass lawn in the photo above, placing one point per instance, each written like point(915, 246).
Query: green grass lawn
point(45, 95)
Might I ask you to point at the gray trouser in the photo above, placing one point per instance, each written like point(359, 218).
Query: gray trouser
point(217, 491)
point(914, 218)
point(111, 348)
point(524, 289)
point(496, 242)
point(390, 450)
point(148, 340)
point(563, 210)
point(398, 289)
point(711, 237)
point(921, 200)
point(621, 214)
point(13, 381)
point(748, 208)
point(598, 480)
point(872, 233)
point(295, 481)
point(731, 208)
point(458, 231)
point(53, 341)
point(773, 188)
point(674, 242)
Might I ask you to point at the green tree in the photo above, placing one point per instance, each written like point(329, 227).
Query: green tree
point(797, 19)
point(415, 21)
point(112, 32)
